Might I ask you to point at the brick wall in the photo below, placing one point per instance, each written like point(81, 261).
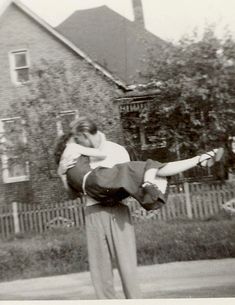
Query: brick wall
point(96, 96)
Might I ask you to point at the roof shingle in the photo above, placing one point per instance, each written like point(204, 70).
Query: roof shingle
point(114, 42)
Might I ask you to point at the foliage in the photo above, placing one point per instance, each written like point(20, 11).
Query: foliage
point(39, 105)
point(54, 94)
point(184, 241)
point(55, 252)
point(65, 251)
point(41, 110)
point(194, 104)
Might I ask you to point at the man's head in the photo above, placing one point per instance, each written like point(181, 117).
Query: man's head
point(85, 132)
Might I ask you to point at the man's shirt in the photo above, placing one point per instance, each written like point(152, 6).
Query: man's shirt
point(115, 154)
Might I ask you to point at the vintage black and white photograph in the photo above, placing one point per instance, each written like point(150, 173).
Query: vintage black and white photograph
point(117, 150)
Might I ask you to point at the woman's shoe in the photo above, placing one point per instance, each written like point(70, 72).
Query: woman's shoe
point(212, 157)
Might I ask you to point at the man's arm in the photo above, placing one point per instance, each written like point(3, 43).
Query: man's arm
point(77, 149)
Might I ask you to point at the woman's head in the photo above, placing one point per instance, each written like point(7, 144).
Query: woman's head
point(85, 132)
point(83, 124)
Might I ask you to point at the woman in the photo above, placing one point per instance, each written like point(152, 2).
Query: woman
point(144, 180)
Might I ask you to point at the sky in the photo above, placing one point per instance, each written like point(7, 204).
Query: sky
point(168, 19)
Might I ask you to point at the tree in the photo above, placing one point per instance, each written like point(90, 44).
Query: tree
point(194, 108)
point(29, 137)
point(38, 105)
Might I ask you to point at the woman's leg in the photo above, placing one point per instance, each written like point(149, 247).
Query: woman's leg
point(176, 167)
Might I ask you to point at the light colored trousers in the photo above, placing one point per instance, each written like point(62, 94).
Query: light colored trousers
point(111, 237)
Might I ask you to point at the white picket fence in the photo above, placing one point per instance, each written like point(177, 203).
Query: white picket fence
point(189, 200)
point(21, 218)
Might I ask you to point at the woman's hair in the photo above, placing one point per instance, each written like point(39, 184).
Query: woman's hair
point(83, 124)
point(60, 146)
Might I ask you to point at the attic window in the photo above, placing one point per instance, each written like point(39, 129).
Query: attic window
point(19, 63)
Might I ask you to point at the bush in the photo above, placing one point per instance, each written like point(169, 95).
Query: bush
point(55, 252)
point(65, 251)
point(176, 241)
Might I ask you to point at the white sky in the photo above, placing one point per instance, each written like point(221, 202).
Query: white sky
point(168, 19)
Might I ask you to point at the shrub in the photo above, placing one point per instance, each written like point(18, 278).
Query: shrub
point(55, 252)
point(166, 242)
point(65, 251)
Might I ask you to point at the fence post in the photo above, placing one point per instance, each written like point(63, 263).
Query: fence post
point(15, 217)
point(188, 201)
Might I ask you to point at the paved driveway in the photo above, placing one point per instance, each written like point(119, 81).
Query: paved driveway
point(196, 279)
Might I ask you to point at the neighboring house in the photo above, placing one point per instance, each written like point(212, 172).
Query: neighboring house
point(25, 40)
point(114, 42)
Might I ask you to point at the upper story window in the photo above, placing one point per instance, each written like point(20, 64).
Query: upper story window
point(64, 119)
point(13, 141)
point(19, 64)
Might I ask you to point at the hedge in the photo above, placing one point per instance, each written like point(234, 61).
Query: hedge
point(64, 251)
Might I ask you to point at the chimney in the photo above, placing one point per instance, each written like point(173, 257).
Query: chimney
point(138, 12)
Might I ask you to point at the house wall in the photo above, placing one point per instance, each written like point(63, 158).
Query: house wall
point(19, 31)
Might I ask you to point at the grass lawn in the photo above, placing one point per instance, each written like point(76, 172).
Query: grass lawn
point(62, 251)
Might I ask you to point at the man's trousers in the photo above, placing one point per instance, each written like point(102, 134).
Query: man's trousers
point(111, 237)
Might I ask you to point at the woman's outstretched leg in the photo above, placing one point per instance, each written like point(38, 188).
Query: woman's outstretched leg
point(172, 168)
point(156, 184)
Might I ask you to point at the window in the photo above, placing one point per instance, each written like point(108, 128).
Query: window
point(131, 127)
point(64, 119)
point(19, 63)
point(138, 134)
point(13, 142)
point(232, 139)
point(150, 140)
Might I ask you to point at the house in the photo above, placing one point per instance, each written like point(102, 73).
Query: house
point(26, 40)
point(114, 42)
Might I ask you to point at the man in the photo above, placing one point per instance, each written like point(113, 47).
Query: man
point(109, 229)
point(110, 233)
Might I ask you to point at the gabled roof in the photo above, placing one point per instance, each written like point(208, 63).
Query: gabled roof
point(114, 42)
point(63, 40)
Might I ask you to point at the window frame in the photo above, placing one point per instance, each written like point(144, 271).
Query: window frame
point(4, 158)
point(14, 69)
point(59, 125)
